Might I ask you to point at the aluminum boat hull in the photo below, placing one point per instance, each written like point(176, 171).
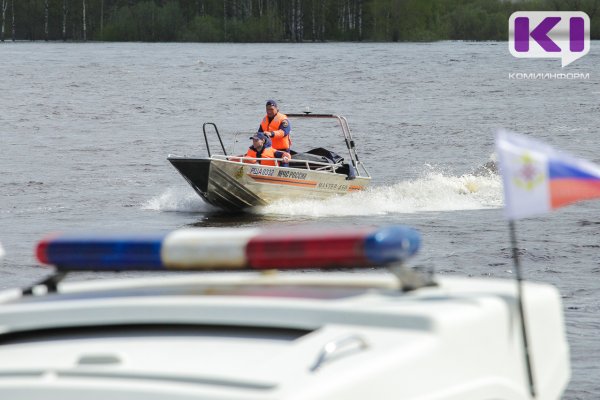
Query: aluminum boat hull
point(236, 186)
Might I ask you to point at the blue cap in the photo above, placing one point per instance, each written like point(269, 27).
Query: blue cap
point(259, 135)
point(271, 103)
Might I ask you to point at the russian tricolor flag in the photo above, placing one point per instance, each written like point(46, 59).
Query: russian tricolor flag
point(537, 178)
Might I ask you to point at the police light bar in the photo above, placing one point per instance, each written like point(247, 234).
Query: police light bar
point(221, 248)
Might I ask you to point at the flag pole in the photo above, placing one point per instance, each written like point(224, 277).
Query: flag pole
point(517, 264)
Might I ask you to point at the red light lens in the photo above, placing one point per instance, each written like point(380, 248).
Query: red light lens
point(307, 250)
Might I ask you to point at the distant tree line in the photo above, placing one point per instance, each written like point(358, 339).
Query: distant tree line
point(271, 20)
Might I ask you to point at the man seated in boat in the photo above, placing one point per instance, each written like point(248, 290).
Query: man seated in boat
point(276, 126)
point(264, 153)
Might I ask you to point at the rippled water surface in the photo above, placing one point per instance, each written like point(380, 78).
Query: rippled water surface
point(85, 130)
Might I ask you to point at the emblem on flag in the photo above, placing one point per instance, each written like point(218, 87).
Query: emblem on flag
point(529, 175)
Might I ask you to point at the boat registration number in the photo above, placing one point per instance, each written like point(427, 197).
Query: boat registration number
point(261, 171)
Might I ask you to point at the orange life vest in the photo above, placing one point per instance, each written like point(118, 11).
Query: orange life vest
point(265, 154)
point(280, 141)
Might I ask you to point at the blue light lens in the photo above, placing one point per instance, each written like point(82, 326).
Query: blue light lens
point(392, 244)
point(105, 253)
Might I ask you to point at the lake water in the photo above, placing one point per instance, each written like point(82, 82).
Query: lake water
point(85, 130)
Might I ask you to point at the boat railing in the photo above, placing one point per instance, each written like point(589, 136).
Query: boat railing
point(206, 137)
point(312, 165)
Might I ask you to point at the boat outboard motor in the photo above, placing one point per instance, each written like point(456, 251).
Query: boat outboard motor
point(351, 172)
point(319, 155)
point(329, 155)
point(335, 158)
point(308, 157)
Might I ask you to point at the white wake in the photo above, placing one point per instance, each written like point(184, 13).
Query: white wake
point(435, 191)
point(182, 200)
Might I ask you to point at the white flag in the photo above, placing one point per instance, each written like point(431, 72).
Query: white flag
point(538, 179)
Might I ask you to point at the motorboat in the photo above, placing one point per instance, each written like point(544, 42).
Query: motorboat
point(236, 183)
point(360, 323)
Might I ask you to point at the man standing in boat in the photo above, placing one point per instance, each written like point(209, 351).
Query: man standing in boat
point(264, 153)
point(276, 126)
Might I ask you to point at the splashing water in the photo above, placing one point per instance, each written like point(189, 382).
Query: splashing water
point(185, 200)
point(434, 192)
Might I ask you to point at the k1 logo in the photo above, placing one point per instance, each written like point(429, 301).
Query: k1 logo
point(544, 34)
